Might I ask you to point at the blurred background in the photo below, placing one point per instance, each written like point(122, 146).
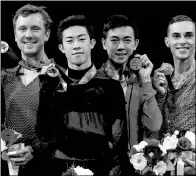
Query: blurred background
point(151, 17)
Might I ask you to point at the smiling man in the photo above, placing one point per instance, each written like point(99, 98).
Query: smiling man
point(120, 40)
point(177, 100)
point(21, 88)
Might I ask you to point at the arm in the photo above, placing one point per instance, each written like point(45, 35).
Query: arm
point(40, 145)
point(150, 112)
point(121, 164)
point(151, 115)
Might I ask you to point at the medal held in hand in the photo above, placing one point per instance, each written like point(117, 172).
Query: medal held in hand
point(135, 63)
point(167, 68)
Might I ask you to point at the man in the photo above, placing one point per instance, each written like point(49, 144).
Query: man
point(176, 92)
point(89, 126)
point(120, 40)
point(21, 86)
point(177, 100)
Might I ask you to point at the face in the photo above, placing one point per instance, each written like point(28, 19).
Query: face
point(181, 40)
point(77, 45)
point(30, 34)
point(120, 44)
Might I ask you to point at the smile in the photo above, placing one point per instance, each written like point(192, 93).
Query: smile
point(182, 48)
point(78, 53)
point(120, 54)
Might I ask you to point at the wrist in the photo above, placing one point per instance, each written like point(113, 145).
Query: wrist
point(144, 80)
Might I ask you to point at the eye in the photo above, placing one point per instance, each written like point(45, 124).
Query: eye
point(69, 41)
point(127, 40)
point(176, 35)
point(22, 29)
point(189, 35)
point(82, 39)
point(114, 41)
point(36, 29)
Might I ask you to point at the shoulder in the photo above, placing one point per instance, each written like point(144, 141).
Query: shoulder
point(7, 73)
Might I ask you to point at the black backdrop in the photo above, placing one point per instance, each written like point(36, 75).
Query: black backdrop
point(151, 18)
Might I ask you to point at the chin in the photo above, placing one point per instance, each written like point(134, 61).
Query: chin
point(120, 61)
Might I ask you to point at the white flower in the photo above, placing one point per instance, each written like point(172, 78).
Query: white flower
point(3, 145)
point(140, 146)
point(163, 149)
point(191, 137)
point(138, 161)
point(160, 168)
point(81, 171)
point(176, 132)
point(170, 142)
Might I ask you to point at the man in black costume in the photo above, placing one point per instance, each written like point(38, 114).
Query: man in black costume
point(87, 111)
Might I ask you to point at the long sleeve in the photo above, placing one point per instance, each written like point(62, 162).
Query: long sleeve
point(45, 121)
point(151, 115)
point(121, 164)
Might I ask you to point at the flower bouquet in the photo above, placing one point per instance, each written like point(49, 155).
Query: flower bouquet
point(149, 157)
point(8, 138)
point(74, 171)
point(180, 148)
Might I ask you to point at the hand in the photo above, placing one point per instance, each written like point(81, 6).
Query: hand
point(160, 82)
point(45, 68)
point(189, 161)
point(21, 157)
point(146, 68)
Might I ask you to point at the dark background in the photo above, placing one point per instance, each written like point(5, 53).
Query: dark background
point(151, 17)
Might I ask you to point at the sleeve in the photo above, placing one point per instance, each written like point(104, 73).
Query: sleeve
point(3, 76)
point(44, 128)
point(120, 160)
point(151, 115)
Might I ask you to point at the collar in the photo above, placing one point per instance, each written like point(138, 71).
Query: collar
point(44, 61)
point(126, 74)
point(178, 81)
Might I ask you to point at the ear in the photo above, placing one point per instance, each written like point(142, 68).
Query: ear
point(15, 36)
point(136, 44)
point(92, 43)
point(47, 35)
point(166, 41)
point(61, 48)
point(104, 43)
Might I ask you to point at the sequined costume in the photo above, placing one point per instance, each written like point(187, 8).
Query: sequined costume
point(178, 105)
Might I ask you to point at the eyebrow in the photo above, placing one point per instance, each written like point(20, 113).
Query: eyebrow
point(118, 37)
point(177, 33)
point(70, 37)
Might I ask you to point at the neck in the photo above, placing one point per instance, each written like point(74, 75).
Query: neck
point(117, 67)
point(77, 74)
point(80, 67)
point(35, 58)
point(182, 66)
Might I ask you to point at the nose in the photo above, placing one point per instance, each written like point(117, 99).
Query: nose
point(121, 46)
point(76, 45)
point(182, 40)
point(28, 33)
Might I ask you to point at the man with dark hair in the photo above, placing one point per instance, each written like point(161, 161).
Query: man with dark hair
point(120, 40)
point(89, 124)
point(21, 86)
point(176, 92)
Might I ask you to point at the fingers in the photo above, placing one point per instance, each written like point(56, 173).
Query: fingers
point(22, 157)
point(145, 60)
point(158, 75)
point(45, 68)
